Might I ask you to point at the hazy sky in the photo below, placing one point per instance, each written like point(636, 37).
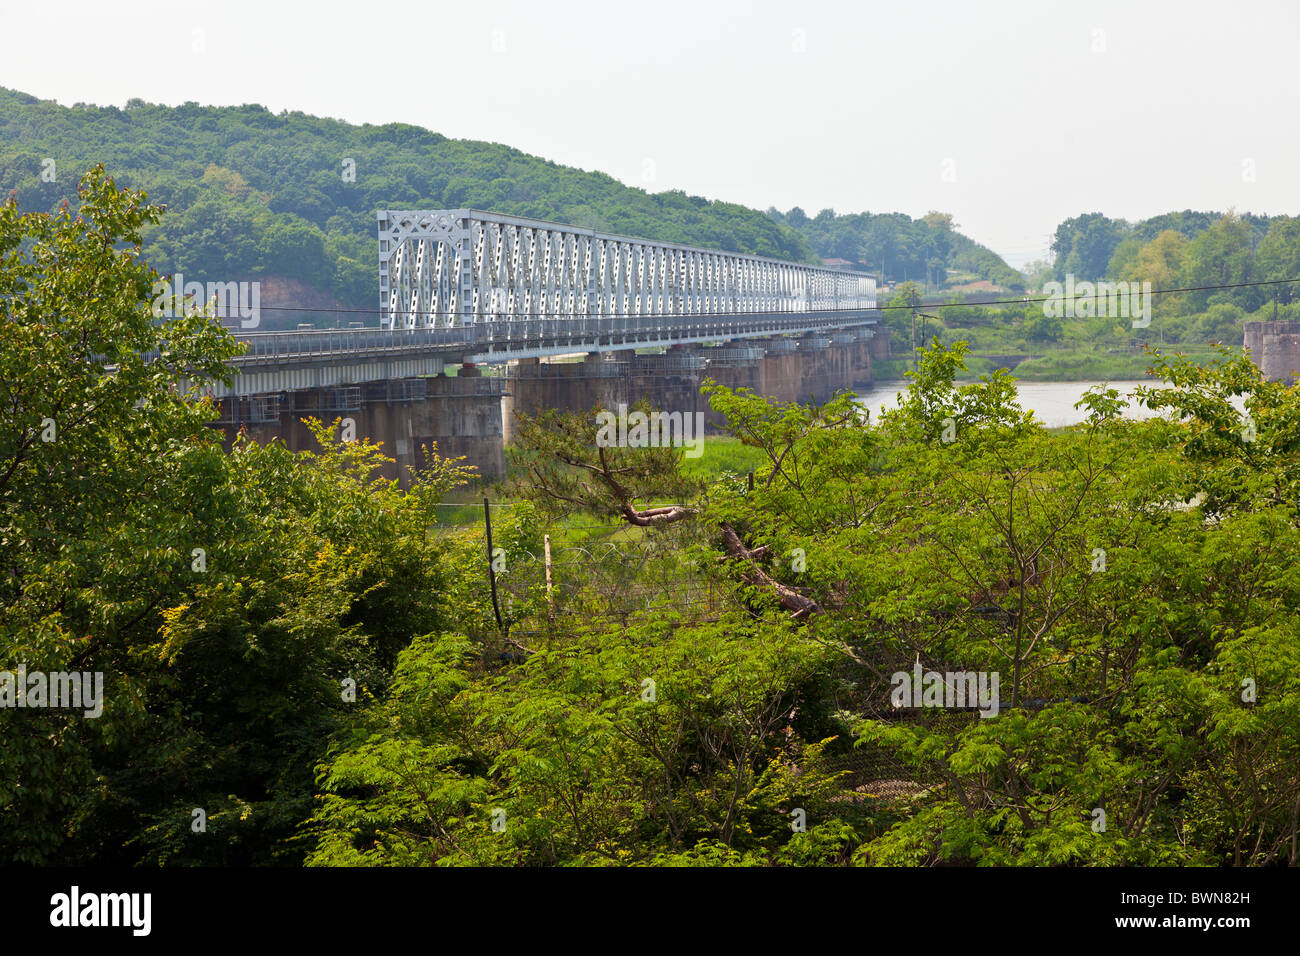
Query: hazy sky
point(1012, 116)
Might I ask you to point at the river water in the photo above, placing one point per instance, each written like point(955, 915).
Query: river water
point(1052, 402)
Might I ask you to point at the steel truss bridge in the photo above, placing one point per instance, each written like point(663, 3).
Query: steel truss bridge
point(464, 286)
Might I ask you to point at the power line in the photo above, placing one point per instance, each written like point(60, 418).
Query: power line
point(1026, 300)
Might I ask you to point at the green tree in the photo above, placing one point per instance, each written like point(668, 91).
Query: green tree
point(1221, 255)
point(1083, 246)
point(1279, 257)
point(222, 597)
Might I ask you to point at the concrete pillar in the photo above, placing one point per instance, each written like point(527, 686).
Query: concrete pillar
point(1275, 348)
point(517, 371)
point(879, 343)
point(863, 374)
point(461, 421)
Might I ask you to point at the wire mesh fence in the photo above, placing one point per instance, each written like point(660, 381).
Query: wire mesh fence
point(569, 586)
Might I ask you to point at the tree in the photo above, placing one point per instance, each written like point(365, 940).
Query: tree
point(1124, 255)
point(1221, 255)
point(1044, 328)
point(87, 396)
point(900, 318)
point(1162, 262)
point(221, 597)
point(565, 463)
point(1083, 246)
point(1279, 257)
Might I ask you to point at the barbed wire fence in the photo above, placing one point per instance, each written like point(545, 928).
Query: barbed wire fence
point(570, 582)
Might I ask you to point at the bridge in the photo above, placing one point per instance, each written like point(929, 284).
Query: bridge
point(460, 289)
point(463, 286)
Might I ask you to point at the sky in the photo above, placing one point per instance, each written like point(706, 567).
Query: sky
point(1012, 116)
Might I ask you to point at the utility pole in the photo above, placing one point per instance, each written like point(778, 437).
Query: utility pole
point(914, 359)
point(924, 316)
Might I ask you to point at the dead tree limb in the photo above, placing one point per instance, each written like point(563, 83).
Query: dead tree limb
point(790, 599)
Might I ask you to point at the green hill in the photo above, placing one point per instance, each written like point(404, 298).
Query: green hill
point(252, 194)
point(1094, 246)
point(901, 248)
point(290, 199)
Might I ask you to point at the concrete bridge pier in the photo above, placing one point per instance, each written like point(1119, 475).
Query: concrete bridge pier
point(462, 414)
point(473, 415)
point(1275, 347)
point(785, 369)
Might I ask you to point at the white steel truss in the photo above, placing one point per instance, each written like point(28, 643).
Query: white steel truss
point(461, 267)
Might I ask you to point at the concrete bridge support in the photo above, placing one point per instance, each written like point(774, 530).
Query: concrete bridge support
point(783, 369)
point(461, 414)
point(473, 414)
point(1275, 348)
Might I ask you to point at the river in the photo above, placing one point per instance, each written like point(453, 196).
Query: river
point(1052, 402)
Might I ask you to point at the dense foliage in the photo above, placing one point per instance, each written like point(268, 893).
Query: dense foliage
point(1187, 250)
point(705, 673)
point(253, 193)
point(222, 596)
point(900, 248)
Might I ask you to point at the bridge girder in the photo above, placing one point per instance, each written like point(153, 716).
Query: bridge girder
point(454, 268)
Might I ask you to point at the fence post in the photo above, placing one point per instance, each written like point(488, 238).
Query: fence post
point(492, 574)
point(546, 546)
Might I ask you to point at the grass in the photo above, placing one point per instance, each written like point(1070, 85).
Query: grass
point(894, 371)
point(723, 453)
point(1084, 365)
point(1059, 365)
point(1074, 365)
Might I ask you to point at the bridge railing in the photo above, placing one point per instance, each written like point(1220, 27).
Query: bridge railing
point(274, 346)
point(282, 347)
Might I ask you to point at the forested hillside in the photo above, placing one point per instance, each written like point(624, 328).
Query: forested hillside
point(1206, 247)
point(901, 248)
point(252, 193)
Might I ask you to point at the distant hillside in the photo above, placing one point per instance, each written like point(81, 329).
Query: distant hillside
point(251, 193)
point(1089, 246)
point(901, 248)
